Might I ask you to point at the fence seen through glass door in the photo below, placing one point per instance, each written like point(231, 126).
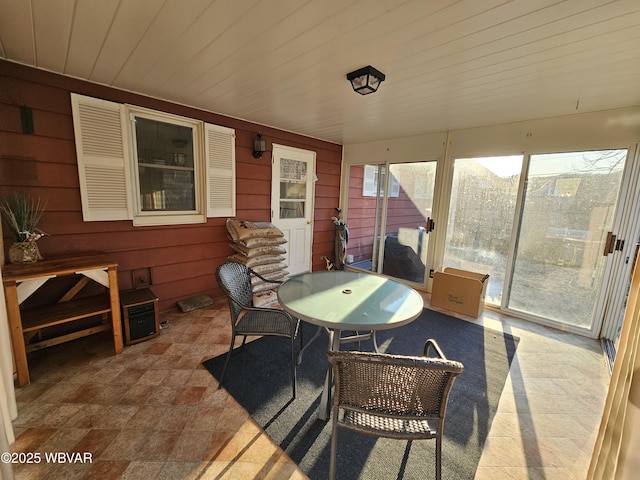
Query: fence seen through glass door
point(569, 206)
point(482, 208)
point(550, 263)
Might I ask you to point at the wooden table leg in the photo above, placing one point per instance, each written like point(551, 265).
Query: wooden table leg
point(17, 337)
point(114, 297)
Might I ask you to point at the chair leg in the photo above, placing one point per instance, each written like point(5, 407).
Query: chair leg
point(293, 365)
point(334, 448)
point(226, 360)
point(438, 457)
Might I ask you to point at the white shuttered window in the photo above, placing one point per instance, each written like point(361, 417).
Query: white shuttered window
point(371, 175)
point(151, 167)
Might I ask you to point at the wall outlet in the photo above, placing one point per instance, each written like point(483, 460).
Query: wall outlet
point(141, 277)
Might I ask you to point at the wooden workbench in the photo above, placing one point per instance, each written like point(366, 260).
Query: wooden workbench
point(22, 280)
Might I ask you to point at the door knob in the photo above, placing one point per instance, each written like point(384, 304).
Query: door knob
point(431, 225)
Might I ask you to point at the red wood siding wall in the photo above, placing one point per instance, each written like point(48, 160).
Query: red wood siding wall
point(362, 216)
point(182, 259)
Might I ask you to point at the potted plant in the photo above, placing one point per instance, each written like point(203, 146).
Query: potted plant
point(22, 214)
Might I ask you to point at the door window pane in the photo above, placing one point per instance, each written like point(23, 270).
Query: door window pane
point(406, 236)
point(483, 202)
point(293, 188)
point(569, 206)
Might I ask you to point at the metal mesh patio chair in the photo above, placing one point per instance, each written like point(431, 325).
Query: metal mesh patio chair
point(247, 320)
point(393, 396)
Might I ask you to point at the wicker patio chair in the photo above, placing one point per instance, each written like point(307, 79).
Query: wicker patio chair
point(393, 396)
point(247, 320)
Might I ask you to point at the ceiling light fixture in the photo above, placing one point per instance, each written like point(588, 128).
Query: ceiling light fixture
point(365, 80)
point(259, 146)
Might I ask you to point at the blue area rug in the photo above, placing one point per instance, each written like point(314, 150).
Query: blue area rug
point(259, 379)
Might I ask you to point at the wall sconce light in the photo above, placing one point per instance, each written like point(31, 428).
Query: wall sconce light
point(259, 146)
point(26, 117)
point(365, 80)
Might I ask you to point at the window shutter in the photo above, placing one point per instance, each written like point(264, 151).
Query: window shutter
point(101, 146)
point(220, 151)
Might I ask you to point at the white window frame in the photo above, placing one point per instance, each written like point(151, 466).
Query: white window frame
point(108, 171)
point(159, 217)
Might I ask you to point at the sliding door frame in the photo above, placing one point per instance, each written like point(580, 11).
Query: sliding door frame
point(612, 293)
point(602, 130)
point(627, 227)
point(380, 222)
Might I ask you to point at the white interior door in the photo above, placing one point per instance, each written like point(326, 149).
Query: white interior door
point(292, 182)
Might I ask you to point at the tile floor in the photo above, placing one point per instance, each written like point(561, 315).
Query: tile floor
point(154, 412)
point(550, 410)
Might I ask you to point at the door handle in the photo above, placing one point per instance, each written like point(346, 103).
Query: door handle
point(610, 244)
point(431, 225)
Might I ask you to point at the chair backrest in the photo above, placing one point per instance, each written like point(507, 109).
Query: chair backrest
point(235, 280)
point(407, 386)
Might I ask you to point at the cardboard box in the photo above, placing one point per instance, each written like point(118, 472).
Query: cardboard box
point(460, 291)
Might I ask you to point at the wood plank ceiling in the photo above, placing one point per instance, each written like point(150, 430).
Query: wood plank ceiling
point(450, 64)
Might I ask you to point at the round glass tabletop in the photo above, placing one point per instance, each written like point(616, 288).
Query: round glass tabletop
point(346, 300)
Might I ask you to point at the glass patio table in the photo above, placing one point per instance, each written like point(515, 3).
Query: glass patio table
point(348, 301)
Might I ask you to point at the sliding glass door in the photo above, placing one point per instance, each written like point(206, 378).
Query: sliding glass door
point(484, 196)
point(569, 207)
point(389, 218)
point(539, 226)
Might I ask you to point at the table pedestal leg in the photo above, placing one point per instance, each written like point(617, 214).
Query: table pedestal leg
point(324, 409)
point(315, 335)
